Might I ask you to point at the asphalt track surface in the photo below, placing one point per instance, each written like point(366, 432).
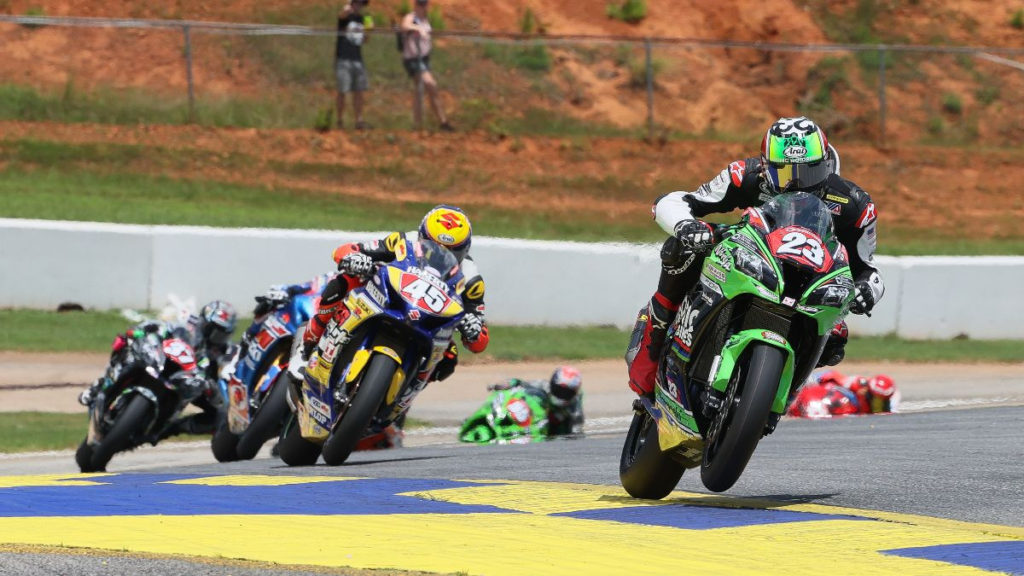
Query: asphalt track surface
point(938, 492)
point(938, 489)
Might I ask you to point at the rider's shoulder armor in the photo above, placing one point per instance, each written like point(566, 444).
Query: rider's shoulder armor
point(851, 207)
point(473, 293)
point(737, 186)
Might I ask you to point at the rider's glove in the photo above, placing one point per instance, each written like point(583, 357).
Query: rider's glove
point(695, 235)
point(471, 326)
point(356, 264)
point(865, 299)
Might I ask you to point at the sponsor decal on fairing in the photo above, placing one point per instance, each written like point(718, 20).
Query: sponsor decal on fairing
point(769, 335)
point(715, 272)
point(766, 293)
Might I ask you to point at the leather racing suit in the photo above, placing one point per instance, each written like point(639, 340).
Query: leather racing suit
point(742, 185)
point(383, 250)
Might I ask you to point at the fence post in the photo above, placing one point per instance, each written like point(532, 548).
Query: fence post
point(188, 74)
point(881, 96)
point(649, 65)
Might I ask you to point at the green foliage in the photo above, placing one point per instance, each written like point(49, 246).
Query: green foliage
point(827, 76)
point(34, 11)
point(534, 58)
point(1017, 20)
point(528, 24)
point(936, 125)
point(404, 7)
point(531, 57)
point(638, 72)
point(436, 19)
point(324, 120)
point(987, 94)
point(951, 103)
point(631, 11)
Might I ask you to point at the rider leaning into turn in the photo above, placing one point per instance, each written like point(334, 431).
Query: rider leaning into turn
point(445, 225)
point(209, 334)
point(795, 156)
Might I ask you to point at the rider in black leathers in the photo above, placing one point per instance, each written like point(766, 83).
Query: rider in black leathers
point(209, 334)
point(795, 156)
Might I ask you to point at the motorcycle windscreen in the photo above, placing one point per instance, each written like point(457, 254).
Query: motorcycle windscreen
point(801, 229)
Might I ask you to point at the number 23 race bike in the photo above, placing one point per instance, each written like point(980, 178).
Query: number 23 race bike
point(755, 324)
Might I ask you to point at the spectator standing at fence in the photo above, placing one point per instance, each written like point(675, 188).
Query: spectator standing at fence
point(348, 60)
point(416, 47)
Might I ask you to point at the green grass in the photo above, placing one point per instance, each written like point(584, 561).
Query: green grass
point(514, 343)
point(42, 331)
point(92, 331)
point(891, 348)
point(36, 431)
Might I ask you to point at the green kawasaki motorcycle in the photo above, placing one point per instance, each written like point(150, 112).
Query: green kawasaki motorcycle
point(755, 324)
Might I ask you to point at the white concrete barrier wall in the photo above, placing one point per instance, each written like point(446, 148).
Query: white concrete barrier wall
point(44, 263)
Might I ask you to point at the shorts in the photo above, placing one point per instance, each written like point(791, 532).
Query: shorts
point(414, 66)
point(351, 75)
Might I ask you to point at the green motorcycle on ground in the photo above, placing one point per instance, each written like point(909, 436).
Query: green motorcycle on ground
point(755, 323)
point(513, 413)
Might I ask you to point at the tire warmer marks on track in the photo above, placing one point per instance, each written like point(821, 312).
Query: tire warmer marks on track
point(492, 527)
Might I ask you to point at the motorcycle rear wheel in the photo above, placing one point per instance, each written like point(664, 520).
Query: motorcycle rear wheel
point(295, 450)
point(130, 423)
point(365, 402)
point(644, 470)
point(267, 422)
point(726, 455)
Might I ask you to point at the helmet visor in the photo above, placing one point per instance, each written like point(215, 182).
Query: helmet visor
point(786, 177)
point(562, 395)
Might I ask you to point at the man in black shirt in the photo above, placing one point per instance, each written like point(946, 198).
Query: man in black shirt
point(348, 59)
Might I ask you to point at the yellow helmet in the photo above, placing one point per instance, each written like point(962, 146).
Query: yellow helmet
point(449, 227)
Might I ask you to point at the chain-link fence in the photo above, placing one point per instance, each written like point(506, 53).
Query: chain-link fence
point(147, 71)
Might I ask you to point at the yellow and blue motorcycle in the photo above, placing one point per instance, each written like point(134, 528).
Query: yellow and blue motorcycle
point(376, 355)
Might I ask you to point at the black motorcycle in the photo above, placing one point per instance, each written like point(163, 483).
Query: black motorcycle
point(146, 387)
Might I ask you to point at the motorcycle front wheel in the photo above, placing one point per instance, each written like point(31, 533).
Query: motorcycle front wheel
point(130, 423)
point(83, 457)
point(644, 470)
point(295, 450)
point(738, 427)
point(266, 423)
point(364, 404)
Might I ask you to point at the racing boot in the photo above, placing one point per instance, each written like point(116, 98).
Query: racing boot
point(835, 346)
point(89, 394)
point(648, 340)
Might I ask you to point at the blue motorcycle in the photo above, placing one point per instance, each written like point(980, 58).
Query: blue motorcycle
point(376, 355)
point(256, 404)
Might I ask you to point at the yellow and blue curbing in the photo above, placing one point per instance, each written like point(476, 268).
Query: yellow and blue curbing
point(486, 527)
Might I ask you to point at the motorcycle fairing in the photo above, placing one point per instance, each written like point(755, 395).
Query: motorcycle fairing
point(726, 363)
point(242, 386)
point(677, 430)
